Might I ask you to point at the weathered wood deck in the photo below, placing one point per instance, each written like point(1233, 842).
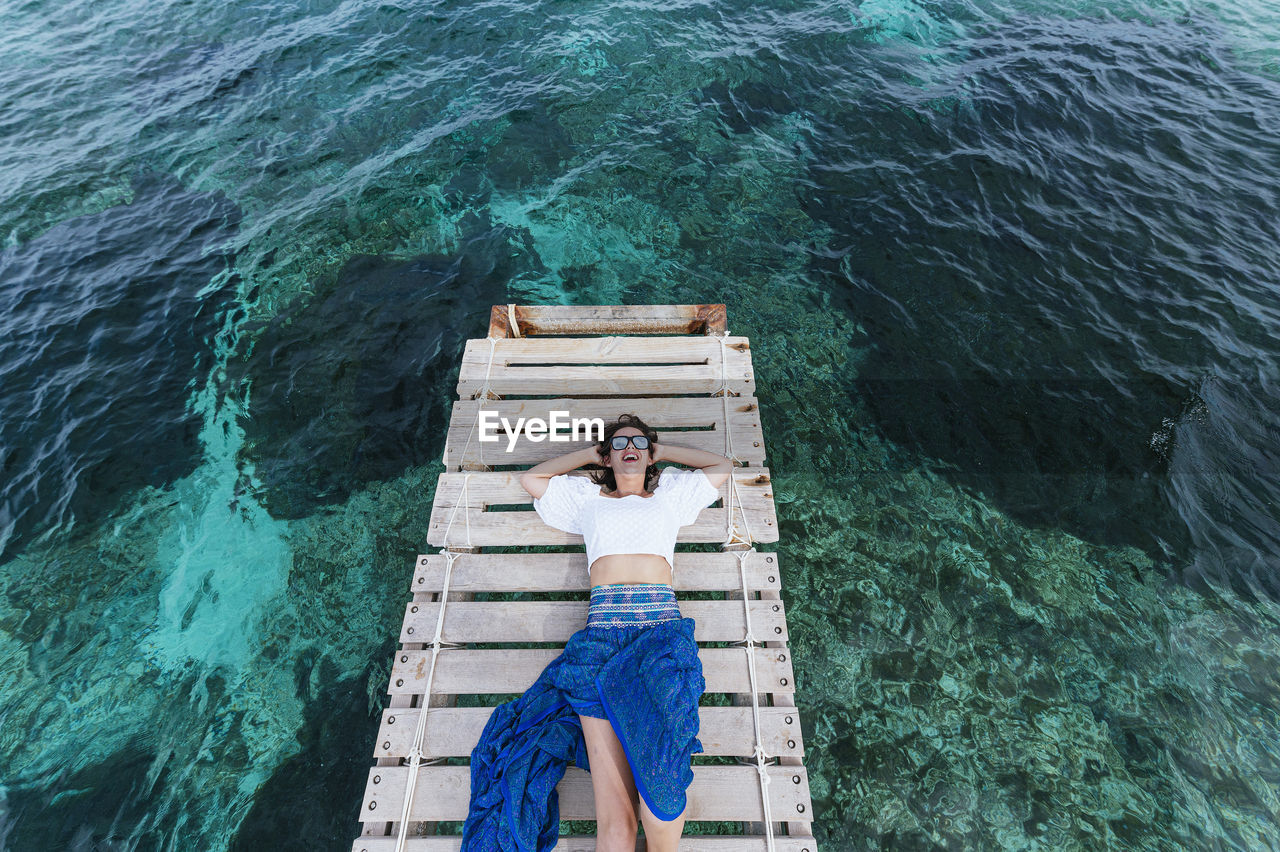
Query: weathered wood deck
point(674, 366)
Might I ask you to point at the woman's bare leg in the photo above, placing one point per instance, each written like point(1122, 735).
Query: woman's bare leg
point(614, 787)
point(661, 836)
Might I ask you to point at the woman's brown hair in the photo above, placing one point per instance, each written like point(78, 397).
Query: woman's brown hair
point(605, 477)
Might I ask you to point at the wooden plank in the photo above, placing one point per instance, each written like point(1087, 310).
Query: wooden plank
point(574, 369)
point(489, 529)
point(605, 319)
point(556, 621)
point(724, 731)
point(474, 526)
point(604, 381)
point(512, 670)
point(480, 528)
point(786, 701)
point(606, 366)
point(687, 421)
point(566, 843)
point(567, 572)
point(716, 793)
point(609, 351)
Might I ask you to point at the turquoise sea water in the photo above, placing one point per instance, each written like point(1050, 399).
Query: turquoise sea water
point(1010, 278)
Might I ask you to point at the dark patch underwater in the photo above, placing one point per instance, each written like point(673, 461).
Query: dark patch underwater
point(110, 323)
point(985, 239)
point(314, 797)
point(345, 385)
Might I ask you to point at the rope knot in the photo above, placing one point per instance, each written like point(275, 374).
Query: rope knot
point(485, 389)
point(464, 501)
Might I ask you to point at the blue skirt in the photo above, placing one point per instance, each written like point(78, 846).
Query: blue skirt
point(617, 615)
point(635, 664)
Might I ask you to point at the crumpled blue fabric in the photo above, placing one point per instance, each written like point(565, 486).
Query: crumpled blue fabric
point(650, 690)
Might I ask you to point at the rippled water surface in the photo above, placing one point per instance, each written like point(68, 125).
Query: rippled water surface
point(1010, 276)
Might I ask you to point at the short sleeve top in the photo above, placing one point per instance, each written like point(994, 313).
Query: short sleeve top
point(631, 524)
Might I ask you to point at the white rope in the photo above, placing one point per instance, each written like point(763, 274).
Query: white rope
point(437, 644)
point(749, 642)
point(749, 645)
point(416, 754)
point(464, 504)
point(484, 388)
point(722, 390)
point(482, 395)
point(731, 530)
point(512, 323)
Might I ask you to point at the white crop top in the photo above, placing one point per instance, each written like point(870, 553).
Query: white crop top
point(630, 524)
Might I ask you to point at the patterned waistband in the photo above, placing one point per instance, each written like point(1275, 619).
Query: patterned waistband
point(632, 604)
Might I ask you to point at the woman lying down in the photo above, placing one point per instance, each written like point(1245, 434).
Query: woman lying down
point(621, 701)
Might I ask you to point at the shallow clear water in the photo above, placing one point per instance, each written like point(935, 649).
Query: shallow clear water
point(1008, 270)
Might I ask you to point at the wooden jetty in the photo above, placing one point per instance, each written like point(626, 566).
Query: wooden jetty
point(677, 367)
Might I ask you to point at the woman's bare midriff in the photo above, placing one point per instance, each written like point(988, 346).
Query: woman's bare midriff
point(630, 568)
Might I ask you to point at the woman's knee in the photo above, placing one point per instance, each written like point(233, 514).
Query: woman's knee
point(616, 810)
point(662, 835)
point(616, 828)
point(618, 824)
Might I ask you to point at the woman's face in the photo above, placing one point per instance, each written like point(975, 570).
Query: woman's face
point(628, 460)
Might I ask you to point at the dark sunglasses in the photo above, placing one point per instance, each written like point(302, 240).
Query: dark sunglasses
point(619, 442)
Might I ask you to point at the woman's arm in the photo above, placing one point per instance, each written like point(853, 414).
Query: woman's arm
point(716, 467)
point(534, 480)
